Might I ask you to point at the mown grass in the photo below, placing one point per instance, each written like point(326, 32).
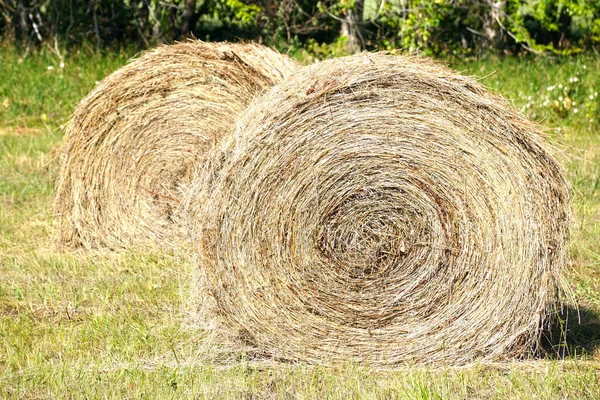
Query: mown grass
point(101, 325)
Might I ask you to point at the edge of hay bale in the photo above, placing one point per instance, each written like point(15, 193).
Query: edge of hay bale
point(135, 140)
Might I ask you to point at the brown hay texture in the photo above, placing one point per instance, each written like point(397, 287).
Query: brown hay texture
point(383, 210)
point(136, 138)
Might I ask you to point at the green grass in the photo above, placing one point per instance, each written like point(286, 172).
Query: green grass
point(117, 326)
point(37, 92)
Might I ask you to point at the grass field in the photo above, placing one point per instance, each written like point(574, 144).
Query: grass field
point(76, 325)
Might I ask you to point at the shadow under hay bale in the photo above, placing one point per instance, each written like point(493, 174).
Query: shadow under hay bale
point(575, 332)
point(136, 138)
point(383, 210)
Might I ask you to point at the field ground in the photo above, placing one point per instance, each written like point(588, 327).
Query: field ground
point(115, 325)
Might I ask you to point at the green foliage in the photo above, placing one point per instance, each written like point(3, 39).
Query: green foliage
point(413, 27)
point(430, 26)
point(236, 13)
point(313, 51)
point(558, 26)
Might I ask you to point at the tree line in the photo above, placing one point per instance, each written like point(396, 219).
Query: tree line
point(326, 26)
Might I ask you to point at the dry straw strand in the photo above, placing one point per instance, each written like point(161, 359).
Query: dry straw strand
point(135, 140)
point(384, 210)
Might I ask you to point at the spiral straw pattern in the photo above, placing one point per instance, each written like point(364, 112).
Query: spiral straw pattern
point(384, 210)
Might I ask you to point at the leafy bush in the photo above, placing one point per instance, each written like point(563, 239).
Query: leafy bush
point(309, 26)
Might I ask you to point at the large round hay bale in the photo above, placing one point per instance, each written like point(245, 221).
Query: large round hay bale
point(383, 209)
point(137, 137)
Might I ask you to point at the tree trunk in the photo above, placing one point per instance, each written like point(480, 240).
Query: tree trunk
point(491, 28)
point(351, 25)
point(189, 18)
point(22, 29)
point(142, 25)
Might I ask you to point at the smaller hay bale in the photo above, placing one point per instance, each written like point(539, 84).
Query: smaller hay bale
point(384, 210)
point(134, 141)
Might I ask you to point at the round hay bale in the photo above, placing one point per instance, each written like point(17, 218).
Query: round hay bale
point(136, 138)
point(384, 210)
